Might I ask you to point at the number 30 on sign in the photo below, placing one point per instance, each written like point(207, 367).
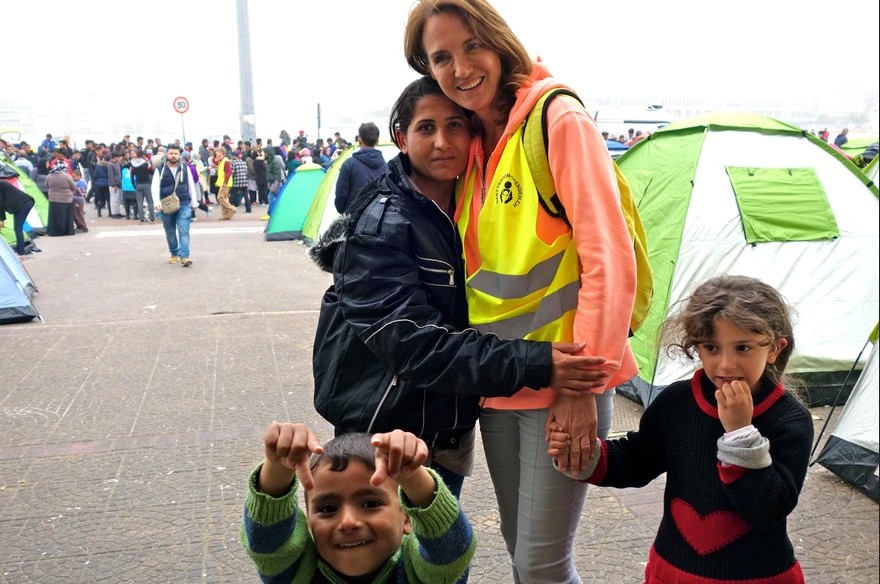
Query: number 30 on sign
point(181, 104)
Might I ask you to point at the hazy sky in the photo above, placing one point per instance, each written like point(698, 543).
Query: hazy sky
point(348, 55)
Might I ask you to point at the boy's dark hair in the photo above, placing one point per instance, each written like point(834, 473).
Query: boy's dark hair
point(344, 448)
point(369, 133)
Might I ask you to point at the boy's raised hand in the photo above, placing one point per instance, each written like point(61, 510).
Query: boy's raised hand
point(735, 406)
point(398, 454)
point(290, 445)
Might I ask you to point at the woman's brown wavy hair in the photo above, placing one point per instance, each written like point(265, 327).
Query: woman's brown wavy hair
point(488, 27)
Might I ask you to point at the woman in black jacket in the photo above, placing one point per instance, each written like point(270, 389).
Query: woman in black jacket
point(393, 348)
point(17, 203)
point(261, 176)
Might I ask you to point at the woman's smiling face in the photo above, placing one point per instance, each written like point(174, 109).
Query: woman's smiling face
point(467, 70)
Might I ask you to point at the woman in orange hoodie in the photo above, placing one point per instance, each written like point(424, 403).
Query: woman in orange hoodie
point(529, 274)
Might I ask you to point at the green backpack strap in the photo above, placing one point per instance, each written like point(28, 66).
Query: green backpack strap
point(535, 139)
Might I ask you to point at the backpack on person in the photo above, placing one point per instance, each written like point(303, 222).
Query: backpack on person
point(534, 138)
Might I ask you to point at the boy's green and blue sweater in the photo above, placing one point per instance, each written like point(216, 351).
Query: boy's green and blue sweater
point(275, 534)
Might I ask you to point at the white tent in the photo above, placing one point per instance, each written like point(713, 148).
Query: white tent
point(748, 195)
point(322, 211)
point(853, 449)
point(16, 289)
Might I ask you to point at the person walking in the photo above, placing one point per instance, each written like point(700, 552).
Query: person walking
point(114, 178)
point(142, 176)
point(530, 274)
point(101, 181)
point(172, 178)
point(223, 180)
point(239, 190)
point(275, 174)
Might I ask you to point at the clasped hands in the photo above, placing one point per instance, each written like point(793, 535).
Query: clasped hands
point(572, 422)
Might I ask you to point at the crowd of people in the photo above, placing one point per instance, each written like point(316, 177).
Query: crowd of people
point(118, 178)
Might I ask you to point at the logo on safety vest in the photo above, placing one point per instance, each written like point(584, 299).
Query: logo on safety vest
point(508, 191)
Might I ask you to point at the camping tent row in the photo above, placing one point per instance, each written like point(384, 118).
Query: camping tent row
point(39, 215)
point(749, 195)
point(305, 205)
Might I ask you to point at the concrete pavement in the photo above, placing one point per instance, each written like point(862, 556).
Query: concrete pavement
point(130, 418)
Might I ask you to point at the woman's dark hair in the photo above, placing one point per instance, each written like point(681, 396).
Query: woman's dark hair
point(746, 302)
point(344, 448)
point(404, 108)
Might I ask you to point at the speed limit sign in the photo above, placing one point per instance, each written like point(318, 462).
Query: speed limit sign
point(181, 104)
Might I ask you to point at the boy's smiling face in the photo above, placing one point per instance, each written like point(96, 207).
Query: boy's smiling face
point(356, 526)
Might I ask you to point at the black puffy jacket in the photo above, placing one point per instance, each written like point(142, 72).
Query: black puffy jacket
point(393, 348)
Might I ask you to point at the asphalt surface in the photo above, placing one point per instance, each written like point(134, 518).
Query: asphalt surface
point(131, 416)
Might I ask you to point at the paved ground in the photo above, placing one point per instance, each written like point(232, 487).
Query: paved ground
point(131, 416)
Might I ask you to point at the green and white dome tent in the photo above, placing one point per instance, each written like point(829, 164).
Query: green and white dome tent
point(322, 211)
point(746, 194)
point(292, 204)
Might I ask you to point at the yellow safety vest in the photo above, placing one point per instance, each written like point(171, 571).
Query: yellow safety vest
point(222, 179)
point(524, 288)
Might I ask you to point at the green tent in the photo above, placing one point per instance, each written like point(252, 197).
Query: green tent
point(39, 215)
point(750, 195)
point(855, 146)
point(292, 204)
point(871, 170)
point(322, 211)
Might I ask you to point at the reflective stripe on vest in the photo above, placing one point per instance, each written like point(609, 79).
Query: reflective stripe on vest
point(523, 287)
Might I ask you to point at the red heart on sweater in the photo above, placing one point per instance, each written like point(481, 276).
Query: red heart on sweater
point(707, 533)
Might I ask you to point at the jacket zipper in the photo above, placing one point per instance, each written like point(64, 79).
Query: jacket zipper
point(450, 272)
point(388, 390)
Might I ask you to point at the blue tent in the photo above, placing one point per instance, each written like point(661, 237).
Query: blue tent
point(288, 213)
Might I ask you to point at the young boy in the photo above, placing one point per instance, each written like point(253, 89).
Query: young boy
point(357, 526)
point(79, 202)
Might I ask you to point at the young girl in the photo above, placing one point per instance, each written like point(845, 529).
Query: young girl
point(734, 443)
